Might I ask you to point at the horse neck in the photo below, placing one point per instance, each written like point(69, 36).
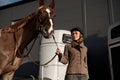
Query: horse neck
point(27, 33)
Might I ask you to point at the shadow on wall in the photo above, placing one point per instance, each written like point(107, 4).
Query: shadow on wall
point(28, 69)
point(98, 63)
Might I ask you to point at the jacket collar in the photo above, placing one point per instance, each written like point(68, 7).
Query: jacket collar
point(74, 44)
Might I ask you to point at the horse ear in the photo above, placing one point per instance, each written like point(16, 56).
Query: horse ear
point(52, 4)
point(41, 2)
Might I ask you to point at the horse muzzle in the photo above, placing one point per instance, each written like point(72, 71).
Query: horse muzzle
point(47, 34)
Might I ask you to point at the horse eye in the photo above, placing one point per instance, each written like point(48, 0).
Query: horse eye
point(52, 14)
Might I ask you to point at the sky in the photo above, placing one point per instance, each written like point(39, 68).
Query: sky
point(5, 2)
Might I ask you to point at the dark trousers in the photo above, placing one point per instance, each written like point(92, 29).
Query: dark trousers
point(76, 77)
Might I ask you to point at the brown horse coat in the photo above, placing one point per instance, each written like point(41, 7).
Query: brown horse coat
point(15, 38)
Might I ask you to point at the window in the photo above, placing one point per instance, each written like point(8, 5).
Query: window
point(115, 32)
point(66, 38)
point(115, 58)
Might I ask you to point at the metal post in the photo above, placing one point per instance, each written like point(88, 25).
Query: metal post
point(84, 17)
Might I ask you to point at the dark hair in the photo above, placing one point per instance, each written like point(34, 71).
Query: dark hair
point(76, 29)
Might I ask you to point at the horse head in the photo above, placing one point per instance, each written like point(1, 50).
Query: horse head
point(45, 15)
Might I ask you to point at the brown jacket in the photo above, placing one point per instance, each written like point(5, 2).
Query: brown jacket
point(76, 56)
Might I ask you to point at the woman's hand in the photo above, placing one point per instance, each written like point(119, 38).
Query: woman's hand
point(58, 51)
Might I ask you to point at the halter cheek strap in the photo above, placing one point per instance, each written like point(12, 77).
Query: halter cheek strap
point(39, 24)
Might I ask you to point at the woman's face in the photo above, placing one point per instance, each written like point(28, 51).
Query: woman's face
point(76, 35)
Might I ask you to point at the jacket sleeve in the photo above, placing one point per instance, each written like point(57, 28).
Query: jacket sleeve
point(85, 52)
point(63, 58)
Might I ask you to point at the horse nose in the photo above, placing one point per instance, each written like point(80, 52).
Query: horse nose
point(46, 30)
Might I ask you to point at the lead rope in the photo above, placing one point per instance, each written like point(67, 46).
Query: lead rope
point(54, 55)
point(47, 61)
point(31, 47)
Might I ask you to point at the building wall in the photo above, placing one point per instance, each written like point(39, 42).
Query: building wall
point(94, 18)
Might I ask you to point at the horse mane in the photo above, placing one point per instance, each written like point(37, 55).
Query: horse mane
point(19, 24)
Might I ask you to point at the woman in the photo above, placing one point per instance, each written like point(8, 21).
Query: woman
point(75, 54)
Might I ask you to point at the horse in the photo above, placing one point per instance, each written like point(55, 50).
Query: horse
point(15, 38)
